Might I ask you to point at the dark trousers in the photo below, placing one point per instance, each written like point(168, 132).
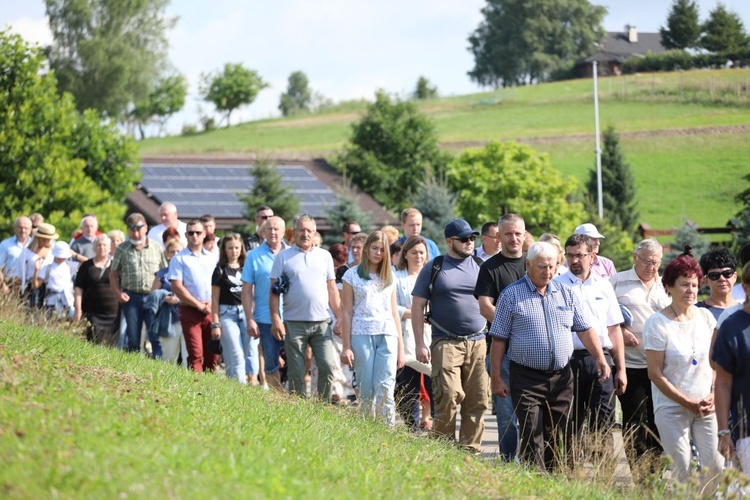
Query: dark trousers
point(543, 402)
point(408, 385)
point(196, 328)
point(639, 427)
point(593, 401)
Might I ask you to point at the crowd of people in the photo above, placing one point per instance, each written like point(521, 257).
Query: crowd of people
point(547, 332)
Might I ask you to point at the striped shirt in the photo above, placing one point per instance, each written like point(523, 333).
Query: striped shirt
point(137, 267)
point(539, 327)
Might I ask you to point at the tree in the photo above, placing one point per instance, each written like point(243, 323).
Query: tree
point(618, 185)
point(166, 99)
point(687, 234)
point(724, 32)
point(391, 150)
point(269, 189)
point(437, 203)
point(234, 87)
point(424, 90)
point(683, 29)
point(107, 53)
point(55, 160)
point(741, 237)
point(507, 177)
point(345, 209)
point(522, 42)
point(297, 97)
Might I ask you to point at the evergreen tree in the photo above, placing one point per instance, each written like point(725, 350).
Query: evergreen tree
point(269, 189)
point(618, 185)
point(687, 234)
point(437, 203)
point(724, 32)
point(297, 97)
point(345, 209)
point(683, 29)
point(424, 90)
point(743, 218)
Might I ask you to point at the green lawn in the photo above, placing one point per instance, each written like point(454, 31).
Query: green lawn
point(82, 421)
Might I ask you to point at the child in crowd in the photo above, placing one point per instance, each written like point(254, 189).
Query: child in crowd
point(58, 277)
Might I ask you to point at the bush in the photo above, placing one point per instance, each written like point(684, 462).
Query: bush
point(189, 129)
point(675, 60)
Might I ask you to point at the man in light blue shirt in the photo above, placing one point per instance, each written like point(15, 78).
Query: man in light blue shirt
point(411, 223)
point(10, 251)
point(256, 287)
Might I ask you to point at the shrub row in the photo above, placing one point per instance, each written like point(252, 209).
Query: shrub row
point(675, 60)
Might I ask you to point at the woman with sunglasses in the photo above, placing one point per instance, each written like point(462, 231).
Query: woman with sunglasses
point(720, 273)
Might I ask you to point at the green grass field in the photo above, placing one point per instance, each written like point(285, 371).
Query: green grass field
point(693, 175)
point(83, 421)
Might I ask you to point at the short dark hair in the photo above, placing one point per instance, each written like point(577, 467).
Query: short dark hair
point(262, 208)
point(487, 226)
point(717, 258)
point(207, 218)
point(195, 222)
point(745, 254)
point(580, 239)
point(684, 265)
point(348, 225)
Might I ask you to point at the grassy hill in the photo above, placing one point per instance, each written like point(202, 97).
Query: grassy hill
point(686, 135)
point(83, 421)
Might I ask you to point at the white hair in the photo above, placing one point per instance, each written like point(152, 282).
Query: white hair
point(648, 245)
point(543, 250)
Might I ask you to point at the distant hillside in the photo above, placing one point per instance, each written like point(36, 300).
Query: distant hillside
point(685, 135)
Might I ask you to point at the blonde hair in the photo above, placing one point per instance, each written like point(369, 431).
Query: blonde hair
point(384, 267)
point(391, 233)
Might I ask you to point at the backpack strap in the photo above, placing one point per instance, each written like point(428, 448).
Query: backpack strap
point(437, 264)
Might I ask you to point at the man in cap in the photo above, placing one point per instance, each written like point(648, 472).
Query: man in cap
point(458, 349)
point(601, 266)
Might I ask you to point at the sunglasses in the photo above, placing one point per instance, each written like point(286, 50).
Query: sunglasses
point(193, 233)
point(265, 217)
point(133, 227)
point(727, 273)
point(466, 239)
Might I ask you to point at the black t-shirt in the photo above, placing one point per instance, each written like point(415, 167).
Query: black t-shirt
point(98, 299)
point(230, 285)
point(496, 273)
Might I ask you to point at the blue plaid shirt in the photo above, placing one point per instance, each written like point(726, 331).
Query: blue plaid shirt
point(538, 327)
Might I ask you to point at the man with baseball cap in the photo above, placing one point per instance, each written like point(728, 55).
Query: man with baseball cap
point(458, 347)
point(600, 266)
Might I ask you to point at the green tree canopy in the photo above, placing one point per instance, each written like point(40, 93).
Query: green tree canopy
point(346, 209)
point(107, 53)
point(437, 203)
point(724, 31)
point(164, 100)
point(297, 97)
point(269, 189)
point(507, 177)
point(234, 87)
point(55, 160)
point(391, 150)
point(522, 42)
point(618, 185)
point(424, 90)
point(683, 29)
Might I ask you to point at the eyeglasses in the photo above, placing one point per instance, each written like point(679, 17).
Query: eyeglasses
point(465, 239)
point(134, 227)
point(193, 233)
point(576, 256)
point(727, 273)
point(648, 263)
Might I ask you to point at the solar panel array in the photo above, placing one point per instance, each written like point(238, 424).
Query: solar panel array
point(200, 189)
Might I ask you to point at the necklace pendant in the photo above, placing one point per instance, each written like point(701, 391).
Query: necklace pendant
point(695, 362)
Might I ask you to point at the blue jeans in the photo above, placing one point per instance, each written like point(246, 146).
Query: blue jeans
point(507, 423)
point(234, 341)
point(375, 359)
point(271, 348)
point(135, 316)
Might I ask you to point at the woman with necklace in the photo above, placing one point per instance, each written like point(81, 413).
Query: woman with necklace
point(94, 299)
point(677, 341)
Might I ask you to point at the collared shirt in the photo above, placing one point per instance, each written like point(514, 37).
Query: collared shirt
point(156, 232)
point(195, 272)
point(632, 293)
point(479, 252)
point(257, 272)
point(604, 267)
point(538, 327)
point(598, 296)
point(10, 251)
point(137, 267)
point(309, 273)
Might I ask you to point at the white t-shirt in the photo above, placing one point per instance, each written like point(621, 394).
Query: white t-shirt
point(372, 313)
point(156, 232)
point(738, 293)
point(686, 346)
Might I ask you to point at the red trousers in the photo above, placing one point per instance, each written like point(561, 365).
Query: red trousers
point(196, 328)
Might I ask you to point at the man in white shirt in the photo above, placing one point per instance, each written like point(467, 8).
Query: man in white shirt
point(490, 241)
point(10, 251)
point(594, 399)
point(168, 216)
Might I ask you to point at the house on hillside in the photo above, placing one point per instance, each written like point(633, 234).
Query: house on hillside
point(213, 185)
point(616, 48)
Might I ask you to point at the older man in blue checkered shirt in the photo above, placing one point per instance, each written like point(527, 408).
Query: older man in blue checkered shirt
point(535, 317)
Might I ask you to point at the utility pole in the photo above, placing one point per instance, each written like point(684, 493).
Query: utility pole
point(598, 145)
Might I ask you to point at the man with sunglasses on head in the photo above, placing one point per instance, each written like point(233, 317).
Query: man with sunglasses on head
point(262, 214)
point(458, 347)
point(190, 273)
point(131, 276)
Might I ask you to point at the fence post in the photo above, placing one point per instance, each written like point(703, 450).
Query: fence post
point(711, 88)
point(682, 75)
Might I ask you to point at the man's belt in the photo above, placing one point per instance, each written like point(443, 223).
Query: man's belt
point(453, 335)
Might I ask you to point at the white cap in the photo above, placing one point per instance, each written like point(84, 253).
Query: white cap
point(61, 250)
point(589, 230)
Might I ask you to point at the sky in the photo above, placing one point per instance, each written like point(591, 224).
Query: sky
point(347, 48)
